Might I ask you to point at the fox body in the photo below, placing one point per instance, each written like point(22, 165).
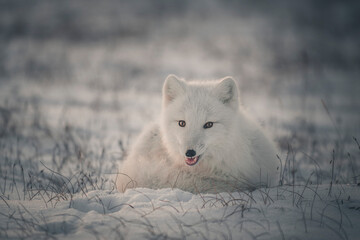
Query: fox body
point(204, 142)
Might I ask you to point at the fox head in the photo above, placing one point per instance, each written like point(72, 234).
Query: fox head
point(197, 118)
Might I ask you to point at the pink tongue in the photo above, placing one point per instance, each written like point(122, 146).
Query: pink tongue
point(191, 160)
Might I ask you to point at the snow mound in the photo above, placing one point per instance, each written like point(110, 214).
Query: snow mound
point(300, 212)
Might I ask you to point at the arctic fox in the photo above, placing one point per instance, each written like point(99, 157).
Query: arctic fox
point(204, 142)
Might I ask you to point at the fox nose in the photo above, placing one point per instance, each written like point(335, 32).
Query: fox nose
point(190, 153)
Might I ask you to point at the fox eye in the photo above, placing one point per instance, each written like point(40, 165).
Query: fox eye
point(182, 123)
point(208, 125)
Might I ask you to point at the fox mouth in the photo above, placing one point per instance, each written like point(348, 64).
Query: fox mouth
point(191, 161)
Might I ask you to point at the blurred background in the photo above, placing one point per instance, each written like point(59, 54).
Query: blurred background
point(80, 79)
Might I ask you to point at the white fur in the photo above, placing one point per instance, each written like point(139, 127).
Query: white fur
point(235, 152)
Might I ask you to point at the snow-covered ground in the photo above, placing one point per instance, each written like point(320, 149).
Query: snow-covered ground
point(79, 81)
point(300, 212)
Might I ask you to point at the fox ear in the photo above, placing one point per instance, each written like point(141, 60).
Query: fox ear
point(173, 87)
point(227, 92)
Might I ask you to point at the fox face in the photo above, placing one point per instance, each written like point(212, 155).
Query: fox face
point(196, 117)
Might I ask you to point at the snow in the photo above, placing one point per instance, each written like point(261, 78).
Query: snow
point(79, 81)
point(302, 212)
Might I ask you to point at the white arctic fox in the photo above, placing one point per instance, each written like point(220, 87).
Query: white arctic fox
point(204, 142)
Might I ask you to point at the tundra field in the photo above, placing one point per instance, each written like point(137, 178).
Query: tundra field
point(80, 79)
